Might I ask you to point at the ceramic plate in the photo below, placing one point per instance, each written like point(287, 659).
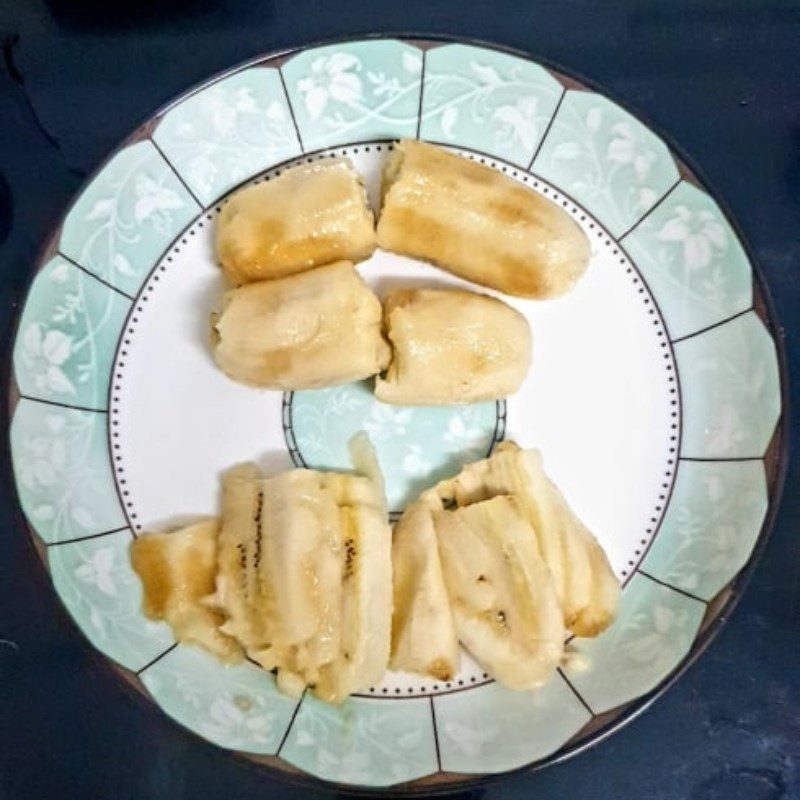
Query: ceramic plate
point(655, 395)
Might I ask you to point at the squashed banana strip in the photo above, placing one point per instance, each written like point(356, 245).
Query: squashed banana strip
point(452, 347)
point(478, 223)
point(423, 632)
point(304, 575)
point(504, 603)
point(320, 328)
point(177, 570)
point(312, 214)
point(585, 583)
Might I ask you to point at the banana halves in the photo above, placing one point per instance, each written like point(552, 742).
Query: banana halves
point(478, 223)
point(452, 347)
point(304, 577)
point(312, 214)
point(319, 328)
point(177, 571)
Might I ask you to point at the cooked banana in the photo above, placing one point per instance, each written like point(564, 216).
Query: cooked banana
point(478, 223)
point(310, 215)
point(451, 347)
point(177, 571)
point(585, 583)
point(304, 575)
point(423, 634)
point(504, 602)
point(320, 328)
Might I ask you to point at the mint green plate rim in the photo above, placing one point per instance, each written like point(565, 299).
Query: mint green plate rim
point(719, 608)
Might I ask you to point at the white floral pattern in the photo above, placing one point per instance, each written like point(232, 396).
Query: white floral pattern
point(711, 525)
point(68, 333)
point(359, 743)
point(693, 262)
point(228, 132)
point(237, 707)
point(416, 446)
point(127, 215)
point(605, 158)
point(731, 390)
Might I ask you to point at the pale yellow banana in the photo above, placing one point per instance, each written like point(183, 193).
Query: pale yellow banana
point(452, 347)
point(478, 223)
point(310, 215)
point(320, 328)
point(177, 571)
point(504, 603)
point(423, 633)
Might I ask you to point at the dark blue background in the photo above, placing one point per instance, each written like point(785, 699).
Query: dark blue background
point(723, 79)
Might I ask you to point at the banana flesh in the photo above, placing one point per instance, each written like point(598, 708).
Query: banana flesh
point(310, 215)
point(304, 577)
point(424, 637)
point(177, 571)
point(478, 223)
point(452, 347)
point(504, 603)
point(319, 328)
point(586, 586)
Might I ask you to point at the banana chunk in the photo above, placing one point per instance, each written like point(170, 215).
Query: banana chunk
point(305, 578)
point(177, 571)
point(585, 584)
point(452, 347)
point(312, 214)
point(423, 632)
point(504, 602)
point(320, 328)
point(478, 223)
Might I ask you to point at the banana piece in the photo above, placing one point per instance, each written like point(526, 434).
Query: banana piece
point(452, 347)
point(478, 223)
point(504, 603)
point(366, 609)
point(320, 328)
point(177, 571)
point(585, 583)
point(310, 215)
point(423, 633)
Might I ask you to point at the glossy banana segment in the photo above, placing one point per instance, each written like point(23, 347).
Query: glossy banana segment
point(478, 223)
point(320, 328)
point(504, 602)
point(177, 571)
point(423, 632)
point(452, 347)
point(304, 576)
point(310, 215)
point(585, 584)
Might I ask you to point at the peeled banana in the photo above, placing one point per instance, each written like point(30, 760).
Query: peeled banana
point(452, 347)
point(304, 577)
point(177, 571)
point(585, 584)
point(504, 603)
point(312, 214)
point(319, 328)
point(478, 223)
point(423, 631)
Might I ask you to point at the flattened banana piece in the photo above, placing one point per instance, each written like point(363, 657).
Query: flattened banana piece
point(320, 328)
point(423, 634)
point(310, 215)
point(586, 585)
point(451, 347)
point(504, 603)
point(478, 223)
point(177, 571)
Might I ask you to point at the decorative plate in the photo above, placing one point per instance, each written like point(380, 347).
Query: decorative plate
point(655, 396)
